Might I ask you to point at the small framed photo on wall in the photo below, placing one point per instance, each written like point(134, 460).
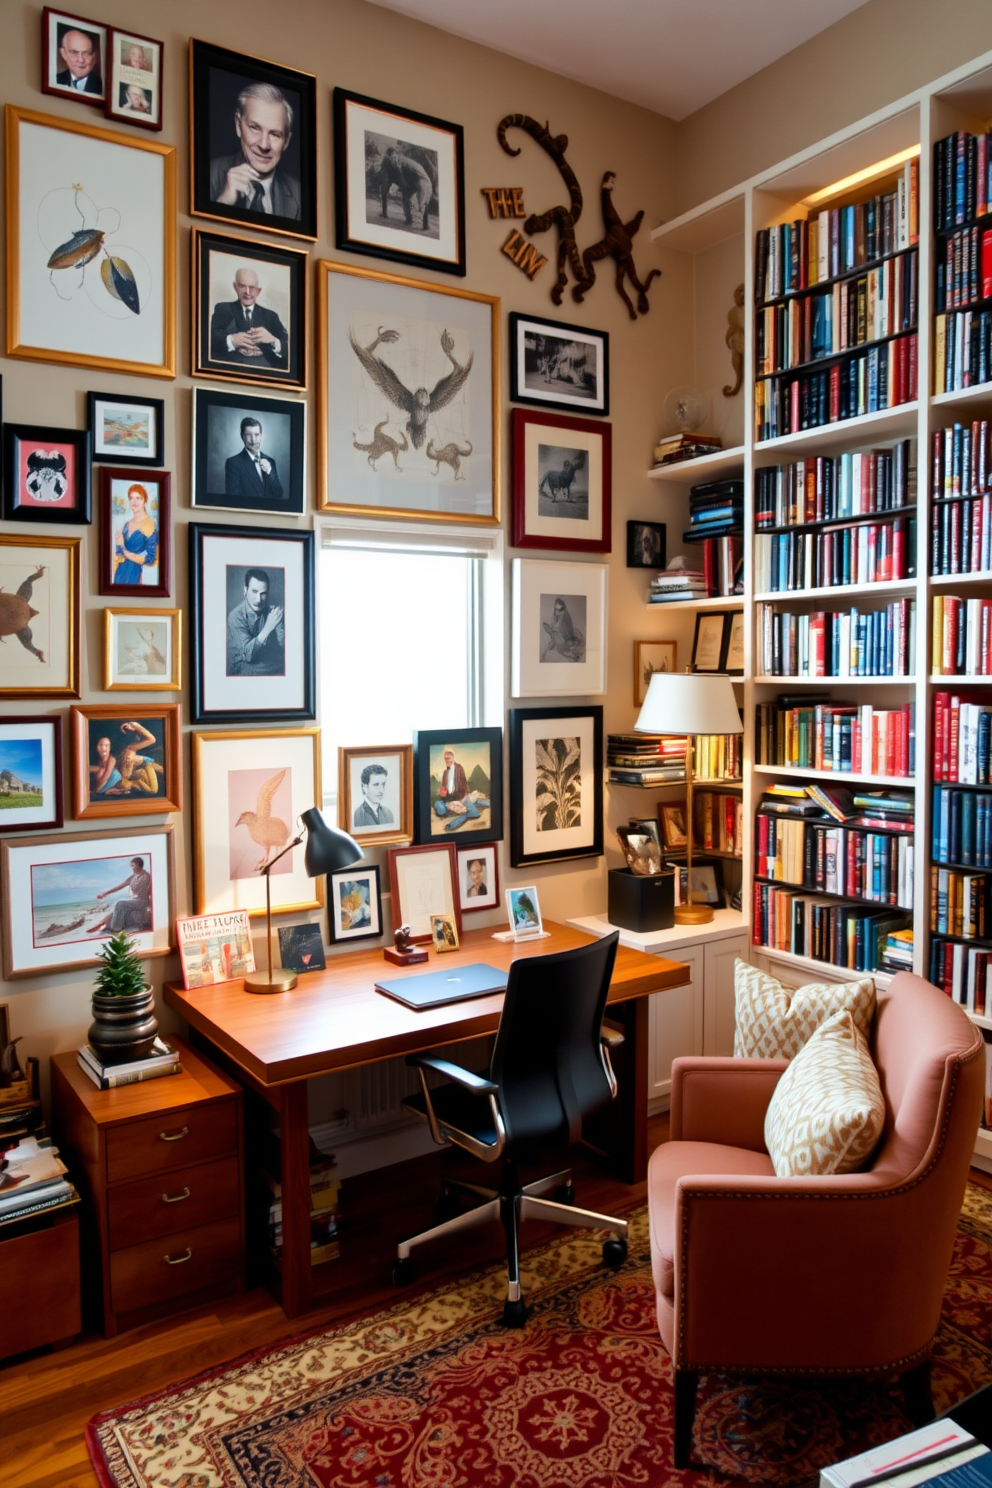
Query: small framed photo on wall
point(249, 310)
point(562, 482)
point(135, 532)
point(134, 79)
point(126, 430)
point(30, 773)
point(478, 877)
point(47, 474)
point(142, 650)
point(375, 793)
point(651, 657)
point(556, 365)
point(646, 544)
point(73, 57)
point(249, 452)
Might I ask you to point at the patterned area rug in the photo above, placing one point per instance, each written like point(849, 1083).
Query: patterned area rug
point(433, 1393)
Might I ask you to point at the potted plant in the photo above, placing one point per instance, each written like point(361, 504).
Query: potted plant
point(124, 1025)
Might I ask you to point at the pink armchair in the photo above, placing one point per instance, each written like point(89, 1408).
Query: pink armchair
point(759, 1275)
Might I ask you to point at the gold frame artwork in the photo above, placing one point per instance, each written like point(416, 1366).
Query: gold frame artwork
point(401, 830)
point(84, 806)
point(71, 545)
point(15, 117)
point(142, 682)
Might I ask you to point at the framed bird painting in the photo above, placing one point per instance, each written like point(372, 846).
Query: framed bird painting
point(250, 787)
point(408, 397)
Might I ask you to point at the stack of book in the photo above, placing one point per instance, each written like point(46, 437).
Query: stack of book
point(645, 759)
point(20, 1109)
point(161, 1059)
point(33, 1181)
point(677, 583)
point(716, 509)
point(325, 1194)
point(897, 953)
point(675, 448)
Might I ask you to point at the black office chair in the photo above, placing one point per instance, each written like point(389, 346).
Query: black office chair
point(550, 1067)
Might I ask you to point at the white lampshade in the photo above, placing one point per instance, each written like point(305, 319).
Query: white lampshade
point(689, 703)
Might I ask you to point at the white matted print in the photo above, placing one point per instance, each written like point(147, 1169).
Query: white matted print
point(142, 650)
point(374, 134)
point(478, 878)
point(40, 577)
point(556, 784)
point(123, 431)
point(559, 629)
point(524, 911)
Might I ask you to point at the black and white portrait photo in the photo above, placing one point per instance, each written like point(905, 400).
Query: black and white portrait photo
point(563, 482)
point(375, 784)
point(248, 453)
point(251, 318)
point(256, 621)
point(134, 79)
point(563, 627)
point(646, 545)
point(73, 57)
point(401, 184)
point(558, 365)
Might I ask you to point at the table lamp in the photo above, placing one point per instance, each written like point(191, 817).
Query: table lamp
point(689, 703)
point(327, 850)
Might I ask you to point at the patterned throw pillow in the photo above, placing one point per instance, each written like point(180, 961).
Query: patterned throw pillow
point(827, 1112)
point(774, 1022)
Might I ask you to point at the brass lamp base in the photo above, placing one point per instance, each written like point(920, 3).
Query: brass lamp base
point(277, 980)
point(691, 914)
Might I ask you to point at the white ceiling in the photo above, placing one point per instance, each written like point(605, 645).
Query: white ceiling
point(672, 56)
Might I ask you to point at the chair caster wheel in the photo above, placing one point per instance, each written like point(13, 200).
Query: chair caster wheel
point(614, 1253)
point(404, 1272)
point(514, 1313)
point(564, 1194)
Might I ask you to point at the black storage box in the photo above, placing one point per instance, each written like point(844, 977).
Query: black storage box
point(641, 901)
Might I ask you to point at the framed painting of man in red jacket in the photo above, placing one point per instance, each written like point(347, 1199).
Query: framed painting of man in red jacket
point(458, 784)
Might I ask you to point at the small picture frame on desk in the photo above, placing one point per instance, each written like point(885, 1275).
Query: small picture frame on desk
point(707, 883)
point(355, 911)
point(478, 878)
point(422, 884)
point(524, 911)
point(444, 933)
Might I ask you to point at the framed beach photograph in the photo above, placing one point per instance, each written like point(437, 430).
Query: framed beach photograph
point(73, 57)
point(46, 474)
point(252, 622)
point(134, 79)
point(557, 365)
point(646, 544)
point(39, 582)
point(422, 885)
point(142, 650)
point(249, 310)
point(126, 761)
point(444, 933)
point(733, 659)
point(558, 641)
point(458, 783)
point(477, 870)
point(126, 430)
point(375, 792)
point(135, 545)
point(355, 908)
point(253, 127)
point(524, 911)
point(556, 784)
point(301, 947)
point(562, 482)
point(399, 180)
point(408, 397)
point(249, 452)
point(673, 821)
point(250, 787)
point(62, 896)
point(709, 642)
point(651, 657)
point(215, 948)
point(30, 773)
point(91, 246)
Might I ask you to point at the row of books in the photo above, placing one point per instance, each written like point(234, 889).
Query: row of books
point(844, 935)
point(718, 821)
point(675, 448)
point(645, 759)
point(34, 1180)
point(961, 636)
point(828, 488)
point(962, 188)
point(884, 377)
point(838, 643)
point(959, 461)
point(962, 971)
point(162, 1059)
point(962, 740)
point(723, 566)
point(961, 535)
point(962, 350)
point(958, 902)
point(961, 829)
point(855, 312)
point(716, 508)
point(873, 866)
point(965, 273)
point(718, 756)
point(866, 553)
point(677, 584)
point(845, 737)
point(325, 1195)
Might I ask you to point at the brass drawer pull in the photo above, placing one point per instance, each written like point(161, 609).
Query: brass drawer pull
point(175, 1198)
point(178, 1260)
point(175, 1136)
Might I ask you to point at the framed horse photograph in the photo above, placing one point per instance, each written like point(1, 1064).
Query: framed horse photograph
point(562, 482)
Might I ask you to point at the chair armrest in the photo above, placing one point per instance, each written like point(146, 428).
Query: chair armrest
point(611, 1037)
point(723, 1100)
point(476, 1083)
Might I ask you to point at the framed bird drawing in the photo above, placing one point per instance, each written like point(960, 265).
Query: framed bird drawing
point(408, 397)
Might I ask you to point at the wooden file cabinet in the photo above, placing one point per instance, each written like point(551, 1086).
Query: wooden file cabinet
point(160, 1166)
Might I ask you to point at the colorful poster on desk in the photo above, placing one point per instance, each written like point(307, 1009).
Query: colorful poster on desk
point(215, 948)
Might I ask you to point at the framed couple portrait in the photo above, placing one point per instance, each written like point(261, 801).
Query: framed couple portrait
point(249, 452)
point(562, 482)
point(126, 761)
point(458, 784)
point(249, 310)
point(117, 71)
point(375, 793)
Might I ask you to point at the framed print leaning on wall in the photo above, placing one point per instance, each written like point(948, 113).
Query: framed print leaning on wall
point(556, 784)
point(39, 616)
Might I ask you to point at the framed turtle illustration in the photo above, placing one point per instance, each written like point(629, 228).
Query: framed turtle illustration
point(39, 616)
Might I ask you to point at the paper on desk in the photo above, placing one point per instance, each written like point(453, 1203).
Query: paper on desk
point(909, 1460)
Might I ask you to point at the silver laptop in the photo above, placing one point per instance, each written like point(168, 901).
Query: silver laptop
point(434, 988)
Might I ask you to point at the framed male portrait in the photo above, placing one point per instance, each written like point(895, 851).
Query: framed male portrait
point(126, 430)
point(556, 365)
point(651, 657)
point(399, 181)
point(422, 885)
point(249, 452)
point(375, 793)
point(253, 141)
point(126, 760)
point(562, 482)
point(556, 784)
point(252, 623)
point(477, 871)
point(558, 637)
point(134, 79)
point(458, 783)
point(30, 773)
point(73, 57)
point(355, 908)
point(142, 650)
point(46, 474)
point(135, 551)
point(646, 544)
point(249, 310)
point(39, 578)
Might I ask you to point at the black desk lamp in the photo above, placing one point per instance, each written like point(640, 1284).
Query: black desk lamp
point(327, 850)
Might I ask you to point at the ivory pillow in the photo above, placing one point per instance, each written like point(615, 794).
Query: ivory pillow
point(774, 1022)
point(827, 1112)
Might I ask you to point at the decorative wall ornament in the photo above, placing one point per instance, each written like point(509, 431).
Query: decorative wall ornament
point(735, 341)
point(523, 254)
point(561, 216)
point(505, 201)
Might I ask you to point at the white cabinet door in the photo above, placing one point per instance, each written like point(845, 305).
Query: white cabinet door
point(675, 1024)
point(718, 993)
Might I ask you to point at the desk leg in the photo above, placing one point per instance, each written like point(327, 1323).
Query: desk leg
point(620, 1130)
point(297, 1288)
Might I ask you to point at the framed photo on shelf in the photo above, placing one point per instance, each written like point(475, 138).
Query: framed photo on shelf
point(444, 933)
point(382, 342)
point(707, 883)
point(126, 761)
point(355, 910)
point(249, 310)
point(422, 885)
point(375, 792)
point(252, 617)
point(126, 430)
point(478, 877)
point(73, 57)
point(250, 787)
point(641, 849)
point(134, 79)
point(62, 896)
point(733, 661)
point(249, 452)
point(46, 475)
point(557, 365)
point(458, 783)
point(558, 644)
point(91, 246)
point(556, 784)
point(142, 650)
point(674, 825)
point(562, 482)
point(651, 657)
point(40, 577)
point(30, 773)
point(399, 181)
point(709, 648)
point(646, 544)
point(135, 532)
point(301, 947)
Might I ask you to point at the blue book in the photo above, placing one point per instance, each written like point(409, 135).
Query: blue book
point(984, 733)
point(969, 803)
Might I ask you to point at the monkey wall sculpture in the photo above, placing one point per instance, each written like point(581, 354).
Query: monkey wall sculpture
point(618, 243)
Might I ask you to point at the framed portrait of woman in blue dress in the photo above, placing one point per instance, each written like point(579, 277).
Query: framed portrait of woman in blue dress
point(135, 532)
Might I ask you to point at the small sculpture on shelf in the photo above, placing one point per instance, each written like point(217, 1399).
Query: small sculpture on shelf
point(403, 951)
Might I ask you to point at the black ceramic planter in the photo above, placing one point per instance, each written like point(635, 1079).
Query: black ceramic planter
point(123, 1027)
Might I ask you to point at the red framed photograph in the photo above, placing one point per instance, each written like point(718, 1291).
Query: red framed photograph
point(562, 482)
point(73, 57)
point(422, 882)
point(134, 79)
point(135, 531)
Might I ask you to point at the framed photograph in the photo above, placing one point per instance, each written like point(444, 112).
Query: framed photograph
point(422, 885)
point(135, 532)
point(63, 895)
point(375, 792)
point(249, 452)
point(478, 877)
point(91, 246)
point(733, 660)
point(301, 947)
point(673, 820)
point(73, 57)
point(355, 911)
point(558, 629)
point(125, 430)
point(253, 130)
point(709, 641)
point(651, 657)
point(408, 397)
point(39, 581)
point(142, 650)
point(134, 79)
point(215, 948)
point(126, 761)
point(444, 934)
point(252, 616)
point(399, 180)
point(556, 365)
point(556, 784)
point(562, 482)
point(46, 474)
point(30, 773)
point(646, 544)
point(249, 310)
point(707, 883)
point(250, 788)
point(524, 911)
point(458, 783)
point(641, 849)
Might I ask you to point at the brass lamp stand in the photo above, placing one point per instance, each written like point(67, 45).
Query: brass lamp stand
point(689, 913)
point(277, 978)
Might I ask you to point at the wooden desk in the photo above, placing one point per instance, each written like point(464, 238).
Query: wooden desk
point(335, 1020)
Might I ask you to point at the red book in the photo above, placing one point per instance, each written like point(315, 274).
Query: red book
point(834, 393)
point(953, 734)
point(898, 564)
point(912, 384)
point(794, 407)
point(709, 566)
point(941, 702)
point(987, 262)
